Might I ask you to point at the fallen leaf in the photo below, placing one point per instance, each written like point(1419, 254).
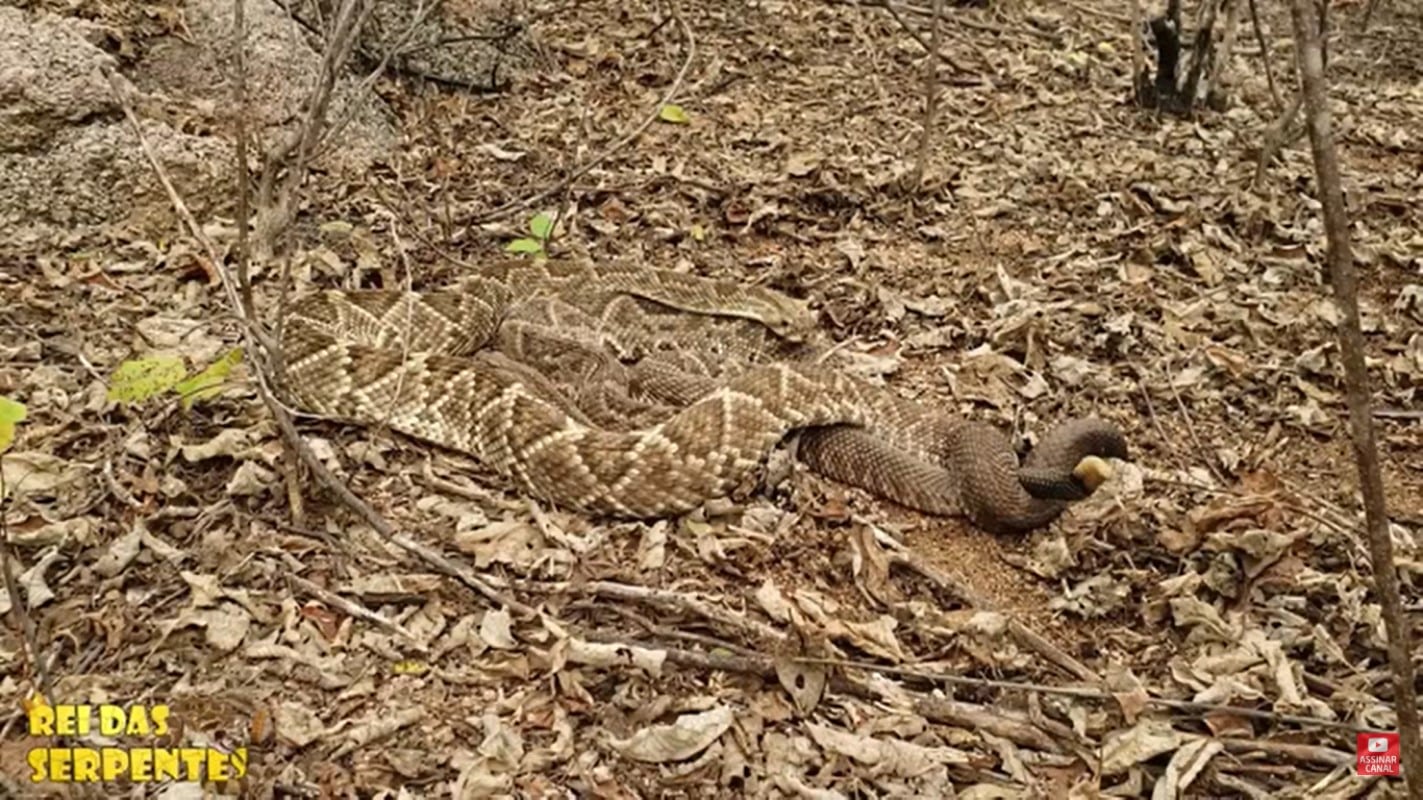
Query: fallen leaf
point(679, 741)
point(673, 113)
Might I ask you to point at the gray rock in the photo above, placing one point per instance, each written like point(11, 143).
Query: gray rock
point(69, 159)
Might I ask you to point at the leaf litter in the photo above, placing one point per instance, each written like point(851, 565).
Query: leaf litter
point(1066, 254)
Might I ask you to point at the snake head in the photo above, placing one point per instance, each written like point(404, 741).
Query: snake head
point(791, 320)
point(1092, 472)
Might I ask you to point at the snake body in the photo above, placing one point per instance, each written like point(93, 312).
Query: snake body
point(559, 378)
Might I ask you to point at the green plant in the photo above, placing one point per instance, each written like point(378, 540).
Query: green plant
point(141, 379)
point(12, 413)
point(673, 113)
point(542, 228)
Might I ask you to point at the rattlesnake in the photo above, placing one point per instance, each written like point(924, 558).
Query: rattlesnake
point(421, 364)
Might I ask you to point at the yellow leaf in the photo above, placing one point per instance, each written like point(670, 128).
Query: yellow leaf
point(525, 245)
point(699, 233)
point(674, 113)
point(11, 411)
point(208, 383)
point(410, 667)
point(541, 227)
point(138, 380)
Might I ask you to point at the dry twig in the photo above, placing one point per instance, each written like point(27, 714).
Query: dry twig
point(334, 131)
point(29, 634)
point(1265, 56)
point(292, 156)
point(353, 609)
point(259, 345)
point(1277, 136)
point(931, 94)
point(563, 183)
point(1369, 14)
point(1022, 634)
point(1185, 706)
point(930, 47)
point(665, 599)
point(1344, 279)
point(1139, 74)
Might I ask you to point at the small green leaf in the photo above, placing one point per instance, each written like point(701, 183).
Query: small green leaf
point(525, 246)
point(208, 383)
point(11, 411)
point(138, 380)
point(541, 227)
point(673, 113)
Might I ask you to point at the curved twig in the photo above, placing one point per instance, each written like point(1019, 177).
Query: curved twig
point(1072, 691)
point(1265, 57)
point(260, 345)
point(560, 185)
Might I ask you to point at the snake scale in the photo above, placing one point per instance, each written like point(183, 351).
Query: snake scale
point(572, 382)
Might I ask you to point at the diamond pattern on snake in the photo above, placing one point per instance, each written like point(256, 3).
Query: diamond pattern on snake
point(631, 392)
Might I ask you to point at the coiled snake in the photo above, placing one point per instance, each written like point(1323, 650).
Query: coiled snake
point(494, 368)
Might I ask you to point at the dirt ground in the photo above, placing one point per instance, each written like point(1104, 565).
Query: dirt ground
point(1066, 253)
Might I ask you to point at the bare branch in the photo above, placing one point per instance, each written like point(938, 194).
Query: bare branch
point(259, 345)
point(24, 623)
point(1187, 706)
point(239, 54)
point(292, 156)
point(334, 131)
point(559, 186)
point(1344, 278)
point(1277, 136)
point(1265, 57)
point(919, 37)
point(1369, 14)
point(1141, 79)
point(931, 94)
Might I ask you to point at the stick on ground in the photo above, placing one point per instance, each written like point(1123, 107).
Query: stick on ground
point(1344, 278)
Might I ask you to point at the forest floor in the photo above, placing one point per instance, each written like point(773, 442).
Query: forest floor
point(1066, 253)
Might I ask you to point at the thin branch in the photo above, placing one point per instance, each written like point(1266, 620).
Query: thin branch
point(931, 94)
point(928, 46)
point(1344, 278)
point(353, 609)
point(294, 152)
point(1012, 725)
point(334, 130)
point(259, 345)
point(666, 599)
point(1265, 56)
point(1120, 19)
point(1140, 78)
point(239, 46)
point(1369, 14)
point(558, 187)
point(1191, 432)
point(1186, 706)
point(1203, 55)
point(1276, 137)
point(29, 633)
point(1025, 637)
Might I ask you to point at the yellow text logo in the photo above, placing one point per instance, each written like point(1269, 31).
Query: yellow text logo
point(112, 763)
